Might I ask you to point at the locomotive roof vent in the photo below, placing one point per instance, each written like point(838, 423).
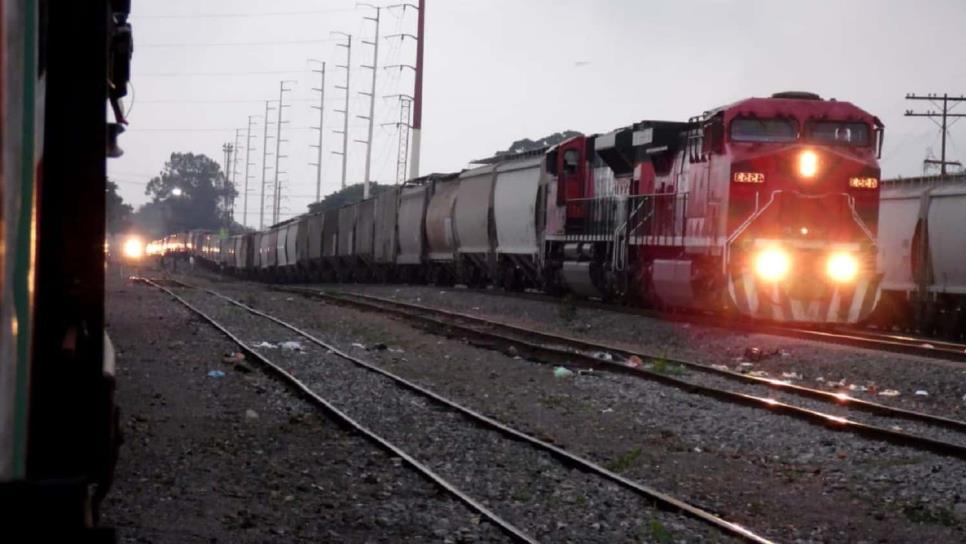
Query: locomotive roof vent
point(797, 95)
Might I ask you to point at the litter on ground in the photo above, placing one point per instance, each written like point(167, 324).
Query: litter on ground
point(291, 346)
point(888, 393)
point(561, 372)
point(922, 393)
point(216, 374)
point(266, 345)
point(232, 358)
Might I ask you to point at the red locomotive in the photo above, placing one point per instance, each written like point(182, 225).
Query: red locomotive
point(767, 207)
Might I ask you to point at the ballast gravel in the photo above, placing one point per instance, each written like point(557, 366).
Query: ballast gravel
point(533, 490)
point(793, 481)
point(238, 458)
point(911, 382)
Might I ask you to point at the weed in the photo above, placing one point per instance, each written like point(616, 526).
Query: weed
point(552, 401)
point(625, 461)
point(659, 532)
point(521, 495)
point(920, 513)
point(661, 366)
point(567, 309)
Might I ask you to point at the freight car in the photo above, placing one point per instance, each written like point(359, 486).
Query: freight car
point(766, 208)
point(922, 256)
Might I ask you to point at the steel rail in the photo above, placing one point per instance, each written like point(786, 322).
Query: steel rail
point(588, 346)
point(924, 347)
point(516, 534)
point(550, 354)
point(664, 500)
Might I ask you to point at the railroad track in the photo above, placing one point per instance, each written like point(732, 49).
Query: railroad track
point(935, 434)
point(480, 421)
point(895, 343)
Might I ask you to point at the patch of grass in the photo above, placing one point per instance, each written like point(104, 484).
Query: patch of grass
point(659, 533)
point(552, 401)
point(662, 366)
point(624, 461)
point(521, 495)
point(921, 513)
point(567, 309)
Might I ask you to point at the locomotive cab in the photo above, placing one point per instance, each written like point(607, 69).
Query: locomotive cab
point(803, 192)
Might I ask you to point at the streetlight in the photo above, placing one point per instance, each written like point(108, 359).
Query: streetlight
point(176, 191)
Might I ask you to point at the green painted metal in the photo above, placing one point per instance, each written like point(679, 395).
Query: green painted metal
point(23, 252)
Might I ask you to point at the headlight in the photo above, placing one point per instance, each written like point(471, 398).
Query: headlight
point(772, 264)
point(808, 163)
point(842, 267)
point(133, 248)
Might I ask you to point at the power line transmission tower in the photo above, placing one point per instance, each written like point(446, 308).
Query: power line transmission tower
point(417, 106)
point(321, 128)
point(248, 163)
point(345, 112)
point(234, 168)
point(278, 147)
point(265, 154)
point(403, 126)
point(372, 97)
point(948, 103)
point(227, 149)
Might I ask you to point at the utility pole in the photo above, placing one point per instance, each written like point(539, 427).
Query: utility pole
point(321, 128)
point(418, 93)
point(417, 103)
point(278, 148)
point(345, 112)
point(403, 126)
point(227, 149)
point(948, 103)
point(234, 169)
point(248, 163)
point(372, 98)
point(265, 153)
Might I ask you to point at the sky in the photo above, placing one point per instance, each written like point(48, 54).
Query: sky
point(500, 70)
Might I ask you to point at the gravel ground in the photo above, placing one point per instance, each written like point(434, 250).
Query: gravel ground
point(238, 458)
point(532, 490)
point(862, 373)
point(794, 481)
point(919, 428)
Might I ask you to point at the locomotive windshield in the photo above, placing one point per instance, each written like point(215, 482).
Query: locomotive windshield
point(838, 132)
point(751, 129)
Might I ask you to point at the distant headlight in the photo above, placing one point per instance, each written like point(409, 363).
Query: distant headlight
point(808, 163)
point(842, 267)
point(772, 264)
point(133, 248)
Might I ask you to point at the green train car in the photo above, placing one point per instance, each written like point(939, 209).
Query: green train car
point(65, 68)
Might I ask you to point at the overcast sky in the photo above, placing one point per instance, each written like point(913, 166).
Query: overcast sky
point(500, 70)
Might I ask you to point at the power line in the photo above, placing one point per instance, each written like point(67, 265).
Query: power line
point(233, 44)
point(238, 15)
point(948, 103)
point(220, 74)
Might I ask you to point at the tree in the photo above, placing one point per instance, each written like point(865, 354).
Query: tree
point(118, 213)
point(191, 193)
point(526, 144)
point(350, 195)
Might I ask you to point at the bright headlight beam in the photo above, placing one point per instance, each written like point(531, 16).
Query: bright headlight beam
point(133, 248)
point(772, 264)
point(808, 163)
point(842, 267)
